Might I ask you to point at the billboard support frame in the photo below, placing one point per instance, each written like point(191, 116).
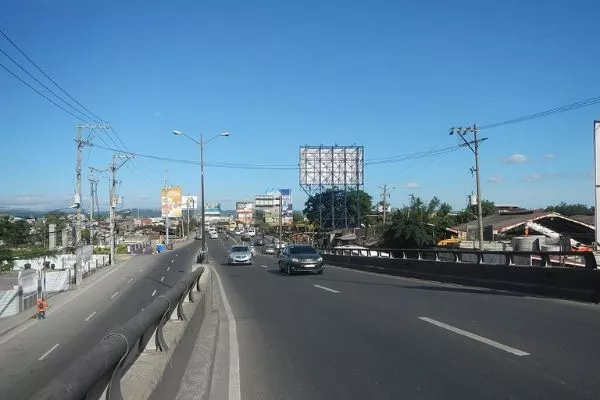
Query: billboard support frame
point(335, 169)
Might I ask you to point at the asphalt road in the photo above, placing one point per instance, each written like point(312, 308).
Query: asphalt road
point(36, 353)
point(353, 335)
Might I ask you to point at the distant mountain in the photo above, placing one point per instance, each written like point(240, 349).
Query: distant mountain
point(133, 212)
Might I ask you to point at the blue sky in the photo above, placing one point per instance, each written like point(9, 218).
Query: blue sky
point(392, 76)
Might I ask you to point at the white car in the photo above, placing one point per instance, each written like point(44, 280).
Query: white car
point(214, 235)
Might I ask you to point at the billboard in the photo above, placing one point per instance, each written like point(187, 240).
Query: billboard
point(213, 208)
point(170, 201)
point(332, 165)
point(189, 202)
point(287, 209)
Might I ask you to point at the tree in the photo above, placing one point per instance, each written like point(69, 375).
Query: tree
point(14, 233)
point(298, 217)
point(350, 205)
point(570, 209)
point(418, 225)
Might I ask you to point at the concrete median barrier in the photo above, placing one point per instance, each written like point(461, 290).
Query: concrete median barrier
point(581, 284)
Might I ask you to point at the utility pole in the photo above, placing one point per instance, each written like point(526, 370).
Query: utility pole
point(384, 196)
point(168, 208)
point(474, 146)
point(79, 145)
point(280, 217)
point(118, 161)
point(93, 193)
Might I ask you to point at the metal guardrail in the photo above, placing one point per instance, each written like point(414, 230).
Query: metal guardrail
point(100, 371)
point(509, 258)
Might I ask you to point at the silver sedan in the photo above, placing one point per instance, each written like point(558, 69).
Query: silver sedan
point(239, 255)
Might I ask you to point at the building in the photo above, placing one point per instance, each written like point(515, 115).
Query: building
point(244, 212)
point(508, 223)
point(266, 208)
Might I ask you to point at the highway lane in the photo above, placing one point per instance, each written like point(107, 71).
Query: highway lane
point(33, 355)
point(348, 334)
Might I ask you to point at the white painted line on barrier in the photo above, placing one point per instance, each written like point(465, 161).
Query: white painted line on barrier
point(473, 336)
point(114, 295)
point(90, 316)
point(153, 293)
point(162, 278)
point(234, 356)
point(326, 288)
point(46, 354)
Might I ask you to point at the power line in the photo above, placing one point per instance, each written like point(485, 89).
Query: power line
point(49, 78)
point(42, 84)
point(42, 94)
point(573, 106)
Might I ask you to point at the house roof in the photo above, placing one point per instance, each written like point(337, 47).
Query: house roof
point(505, 221)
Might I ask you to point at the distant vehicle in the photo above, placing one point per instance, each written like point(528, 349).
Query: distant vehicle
point(238, 232)
point(239, 255)
point(251, 231)
point(269, 250)
point(259, 242)
point(214, 235)
point(219, 229)
point(300, 258)
point(246, 237)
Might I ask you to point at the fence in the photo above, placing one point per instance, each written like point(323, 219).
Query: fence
point(99, 372)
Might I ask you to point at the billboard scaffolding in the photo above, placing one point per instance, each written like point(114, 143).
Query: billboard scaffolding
point(333, 170)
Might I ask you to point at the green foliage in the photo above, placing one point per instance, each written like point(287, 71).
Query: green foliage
point(14, 233)
point(571, 209)
point(320, 206)
point(298, 217)
point(418, 225)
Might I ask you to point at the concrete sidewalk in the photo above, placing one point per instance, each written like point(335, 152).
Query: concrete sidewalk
point(56, 300)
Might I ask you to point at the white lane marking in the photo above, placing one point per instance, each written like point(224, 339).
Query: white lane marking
point(90, 316)
point(162, 278)
point(265, 266)
point(46, 354)
point(114, 295)
point(176, 254)
point(326, 288)
point(473, 336)
point(172, 261)
point(52, 311)
point(153, 293)
point(234, 356)
point(141, 269)
point(130, 279)
point(168, 268)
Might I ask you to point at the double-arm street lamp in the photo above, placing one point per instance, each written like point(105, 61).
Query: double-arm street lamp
point(201, 143)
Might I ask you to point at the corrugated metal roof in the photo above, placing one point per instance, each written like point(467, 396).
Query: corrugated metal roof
point(502, 222)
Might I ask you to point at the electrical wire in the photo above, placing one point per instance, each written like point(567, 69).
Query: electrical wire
point(42, 94)
point(42, 84)
point(573, 106)
point(48, 77)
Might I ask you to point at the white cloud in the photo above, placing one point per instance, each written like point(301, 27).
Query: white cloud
point(516, 159)
point(496, 179)
point(412, 185)
point(536, 176)
point(549, 156)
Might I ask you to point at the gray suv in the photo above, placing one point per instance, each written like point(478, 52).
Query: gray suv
point(300, 258)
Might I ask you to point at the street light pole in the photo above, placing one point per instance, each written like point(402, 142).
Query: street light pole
point(201, 143)
point(202, 191)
